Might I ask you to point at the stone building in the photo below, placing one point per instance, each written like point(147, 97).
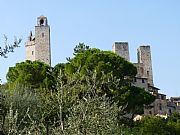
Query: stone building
point(38, 46)
point(172, 107)
point(144, 77)
point(174, 104)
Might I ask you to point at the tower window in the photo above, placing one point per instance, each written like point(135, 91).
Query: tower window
point(41, 22)
point(32, 52)
point(143, 81)
point(42, 34)
point(147, 73)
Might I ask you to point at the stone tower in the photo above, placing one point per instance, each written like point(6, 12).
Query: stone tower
point(122, 49)
point(144, 57)
point(38, 46)
point(30, 48)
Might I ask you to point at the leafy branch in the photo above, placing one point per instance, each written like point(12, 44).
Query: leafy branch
point(9, 47)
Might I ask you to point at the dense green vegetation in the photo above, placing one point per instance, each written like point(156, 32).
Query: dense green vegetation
point(33, 74)
point(91, 94)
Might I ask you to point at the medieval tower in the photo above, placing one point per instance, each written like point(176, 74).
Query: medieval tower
point(122, 49)
point(144, 57)
point(38, 46)
point(144, 65)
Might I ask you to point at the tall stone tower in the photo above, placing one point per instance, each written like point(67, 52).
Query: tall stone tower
point(38, 46)
point(144, 57)
point(122, 49)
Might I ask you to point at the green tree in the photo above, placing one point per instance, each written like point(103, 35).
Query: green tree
point(80, 48)
point(118, 74)
point(173, 124)
point(34, 74)
point(159, 126)
point(56, 71)
point(134, 99)
point(153, 126)
point(4, 50)
point(22, 103)
point(102, 62)
point(62, 111)
point(94, 85)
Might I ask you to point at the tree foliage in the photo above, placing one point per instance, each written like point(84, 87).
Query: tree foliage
point(9, 47)
point(63, 111)
point(118, 74)
point(80, 48)
point(159, 126)
point(137, 98)
point(93, 91)
point(102, 62)
point(34, 74)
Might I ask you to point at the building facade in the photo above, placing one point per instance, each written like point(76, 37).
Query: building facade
point(38, 46)
point(144, 77)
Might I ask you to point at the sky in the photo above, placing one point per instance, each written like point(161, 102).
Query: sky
point(99, 23)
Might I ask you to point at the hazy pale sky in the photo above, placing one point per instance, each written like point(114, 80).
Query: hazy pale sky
point(99, 23)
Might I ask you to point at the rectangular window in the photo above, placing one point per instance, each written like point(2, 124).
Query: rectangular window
point(143, 81)
point(32, 52)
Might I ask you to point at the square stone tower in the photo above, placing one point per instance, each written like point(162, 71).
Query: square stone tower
point(38, 46)
point(122, 49)
point(144, 58)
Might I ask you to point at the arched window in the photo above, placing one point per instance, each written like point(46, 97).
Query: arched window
point(41, 22)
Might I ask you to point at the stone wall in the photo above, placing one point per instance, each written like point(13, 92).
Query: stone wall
point(42, 47)
point(30, 50)
point(141, 82)
point(140, 70)
point(122, 49)
point(144, 57)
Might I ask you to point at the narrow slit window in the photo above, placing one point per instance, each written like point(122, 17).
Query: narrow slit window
point(42, 34)
point(147, 73)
